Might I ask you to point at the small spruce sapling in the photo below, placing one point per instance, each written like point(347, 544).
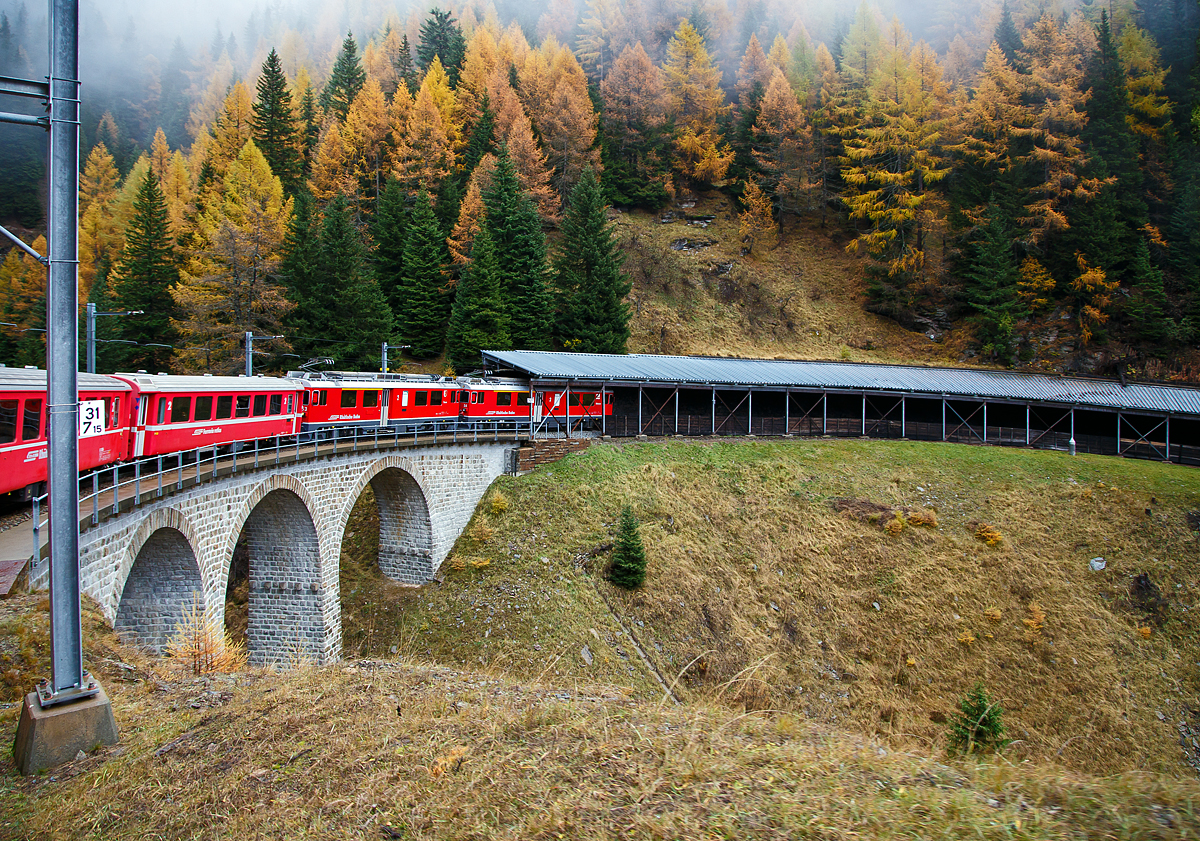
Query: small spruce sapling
point(629, 555)
point(978, 724)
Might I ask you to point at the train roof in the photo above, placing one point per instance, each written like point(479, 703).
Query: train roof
point(34, 379)
point(171, 383)
point(336, 378)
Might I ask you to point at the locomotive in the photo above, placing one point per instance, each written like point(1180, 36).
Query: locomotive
point(128, 416)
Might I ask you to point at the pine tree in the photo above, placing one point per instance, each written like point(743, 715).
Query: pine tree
point(144, 277)
point(634, 138)
point(1148, 302)
point(275, 131)
point(514, 226)
point(478, 319)
point(297, 272)
point(442, 37)
point(629, 555)
point(389, 229)
point(483, 138)
point(693, 84)
point(993, 277)
point(345, 81)
point(311, 126)
point(1114, 150)
point(1007, 38)
point(782, 146)
point(229, 285)
point(590, 286)
point(424, 304)
point(757, 222)
point(347, 303)
point(406, 71)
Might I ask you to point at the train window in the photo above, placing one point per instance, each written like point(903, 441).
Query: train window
point(260, 405)
point(523, 398)
point(435, 398)
point(422, 398)
point(114, 411)
point(324, 394)
point(574, 399)
point(503, 398)
point(8, 420)
point(587, 399)
point(289, 403)
point(162, 409)
point(349, 399)
point(464, 396)
point(306, 398)
point(204, 407)
point(608, 398)
point(224, 407)
point(370, 399)
point(243, 406)
point(31, 426)
point(181, 410)
point(276, 404)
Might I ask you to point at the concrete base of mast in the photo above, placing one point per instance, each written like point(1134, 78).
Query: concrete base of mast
point(51, 735)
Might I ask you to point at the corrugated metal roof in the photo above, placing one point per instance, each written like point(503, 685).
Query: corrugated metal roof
point(633, 369)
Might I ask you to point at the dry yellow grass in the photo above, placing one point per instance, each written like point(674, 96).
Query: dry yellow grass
point(372, 750)
point(803, 299)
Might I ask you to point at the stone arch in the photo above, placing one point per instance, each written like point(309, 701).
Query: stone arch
point(288, 599)
point(405, 525)
point(162, 581)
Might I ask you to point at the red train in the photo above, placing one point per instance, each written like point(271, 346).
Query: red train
point(126, 416)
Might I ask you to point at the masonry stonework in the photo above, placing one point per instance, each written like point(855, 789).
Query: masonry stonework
point(293, 517)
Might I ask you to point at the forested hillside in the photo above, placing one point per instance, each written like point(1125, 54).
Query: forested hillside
point(1023, 175)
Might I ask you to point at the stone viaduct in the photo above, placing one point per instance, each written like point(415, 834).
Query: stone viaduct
point(147, 566)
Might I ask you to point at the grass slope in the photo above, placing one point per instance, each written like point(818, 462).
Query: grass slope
point(761, 594)
point(804, 709)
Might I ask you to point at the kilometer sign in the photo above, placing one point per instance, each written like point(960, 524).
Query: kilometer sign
point(91, 418)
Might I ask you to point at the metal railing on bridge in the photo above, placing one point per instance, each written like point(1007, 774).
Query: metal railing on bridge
point(108, 491)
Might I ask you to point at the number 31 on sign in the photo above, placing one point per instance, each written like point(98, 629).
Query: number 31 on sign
point(91, 418)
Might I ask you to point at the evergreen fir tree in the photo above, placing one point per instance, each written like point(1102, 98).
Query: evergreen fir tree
point(1007, 38)
point(352, 309)
point(345, 81)
point(1147, 306)
point(311, 126)
point(482, 139)
point(442, 37)
point(423, 301)
point(591, 315)
point(389, 229)
point(516, 230)
point(993, 276)
point(629, 555)
point(298, 272)
point(1114, 152)
point(275, 131)
point(478, 320)
point(143, 279)
point(406, 71)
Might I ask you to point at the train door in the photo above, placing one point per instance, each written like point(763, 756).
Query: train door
point(385, 403)
point(139, 437)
